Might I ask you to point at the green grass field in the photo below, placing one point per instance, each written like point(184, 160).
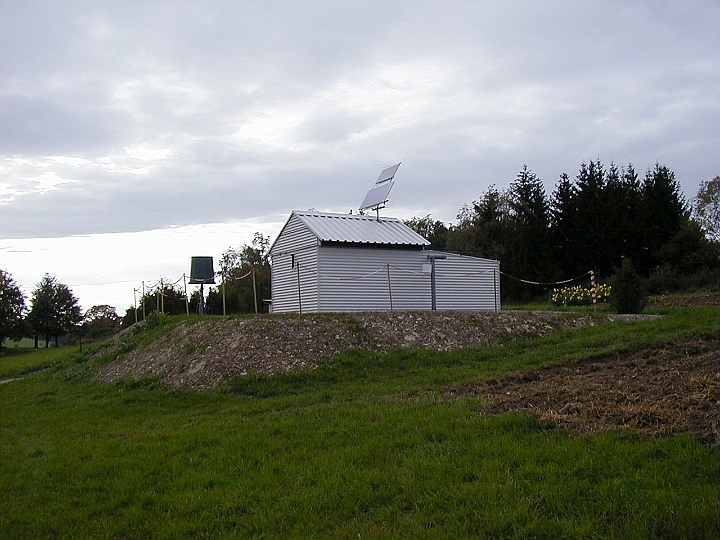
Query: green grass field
point(363, 447)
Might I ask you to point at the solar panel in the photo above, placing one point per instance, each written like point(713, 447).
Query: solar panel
point(387, 174)
point(378, 194)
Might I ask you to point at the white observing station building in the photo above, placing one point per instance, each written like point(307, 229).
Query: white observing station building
point(324, 262)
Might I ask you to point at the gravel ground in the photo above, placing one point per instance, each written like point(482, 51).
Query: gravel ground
point(201, 354)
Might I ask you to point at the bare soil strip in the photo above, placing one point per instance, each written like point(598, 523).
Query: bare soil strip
point(653, 392)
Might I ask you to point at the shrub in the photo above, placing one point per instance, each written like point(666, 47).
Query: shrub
point(666, 280)
point(155, 318)
point(628, 292)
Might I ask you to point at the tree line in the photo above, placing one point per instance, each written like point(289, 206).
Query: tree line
point(54, 312)
point(595, 221)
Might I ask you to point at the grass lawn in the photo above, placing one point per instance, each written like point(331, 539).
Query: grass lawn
point(364, 447)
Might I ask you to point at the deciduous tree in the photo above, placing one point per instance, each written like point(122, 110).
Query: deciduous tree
point(100, 321)
point(435, 232)
point(706, 208)
point(246, 277)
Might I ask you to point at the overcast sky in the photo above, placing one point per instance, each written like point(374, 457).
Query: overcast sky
point(133, 134)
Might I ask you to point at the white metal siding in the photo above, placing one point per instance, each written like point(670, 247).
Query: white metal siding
point(295, 243)
point(467, 283)
point(356, 279)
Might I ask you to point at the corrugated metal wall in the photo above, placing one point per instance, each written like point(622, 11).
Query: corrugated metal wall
point(467, 283)
point(356, 279)
point(296, 247)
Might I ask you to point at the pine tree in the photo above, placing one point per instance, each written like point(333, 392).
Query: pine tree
point(54, 310)
point(529, 226)
point(663, 212)
point(563, 230)
point(618, 201)
point(589, 242)
point(628, 293)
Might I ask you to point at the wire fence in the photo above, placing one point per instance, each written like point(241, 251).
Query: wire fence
point(159, 287)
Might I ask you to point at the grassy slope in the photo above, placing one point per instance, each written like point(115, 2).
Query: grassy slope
point(364, 447)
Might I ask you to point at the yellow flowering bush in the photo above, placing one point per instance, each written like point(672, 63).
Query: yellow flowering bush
point(579, 295)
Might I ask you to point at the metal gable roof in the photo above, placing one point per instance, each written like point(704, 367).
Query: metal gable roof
point(360, 229)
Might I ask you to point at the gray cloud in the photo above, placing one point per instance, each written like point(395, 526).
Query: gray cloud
point(127, 116)
point(32, 126)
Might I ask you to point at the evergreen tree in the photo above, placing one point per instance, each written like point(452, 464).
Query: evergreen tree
point(628, 293)
point(12, 308)
point(563, 219)
point(528, 228)
point(631, 204)
point(590, 226)
point(54, 310)
point(618, 202)
point(595, 222)
point(663, 212)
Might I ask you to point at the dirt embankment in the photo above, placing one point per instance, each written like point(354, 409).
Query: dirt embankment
point(201, 354)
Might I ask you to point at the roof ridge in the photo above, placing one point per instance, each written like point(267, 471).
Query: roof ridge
point(345, 216)
point(359, 228)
